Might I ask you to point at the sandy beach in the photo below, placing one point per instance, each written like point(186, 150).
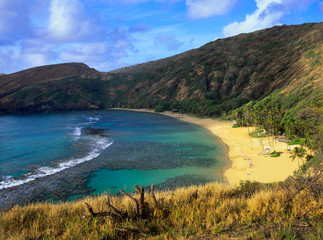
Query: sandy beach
point(248, 160)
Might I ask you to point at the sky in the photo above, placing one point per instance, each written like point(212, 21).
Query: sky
point(110, 34)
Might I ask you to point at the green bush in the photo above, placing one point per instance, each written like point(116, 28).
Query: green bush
point(159, 108)
point(275, 154)
point(297, 141)
point(162, 106)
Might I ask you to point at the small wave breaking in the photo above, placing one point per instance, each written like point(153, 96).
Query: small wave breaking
point(77, 131)
point(99, 145)
point(93, 119)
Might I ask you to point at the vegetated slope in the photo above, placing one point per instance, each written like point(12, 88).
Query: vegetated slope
point(223, 74)
point(48, 88)
point(220, 76)
point(296, 109)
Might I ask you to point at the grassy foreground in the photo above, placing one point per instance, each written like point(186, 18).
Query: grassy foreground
point(289, 210)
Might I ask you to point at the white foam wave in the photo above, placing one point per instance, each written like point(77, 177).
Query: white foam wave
point(7, 178)
point(93, 119)
point(77, 131)
point(100, 145)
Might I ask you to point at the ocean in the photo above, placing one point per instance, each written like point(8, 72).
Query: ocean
point(64, 156)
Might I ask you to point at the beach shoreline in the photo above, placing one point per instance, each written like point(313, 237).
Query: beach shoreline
point(247, 159)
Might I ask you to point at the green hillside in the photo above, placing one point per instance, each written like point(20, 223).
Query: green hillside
point(224, 74)
point(211, 80)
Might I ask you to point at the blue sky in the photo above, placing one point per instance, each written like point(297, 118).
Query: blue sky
point(109, 34)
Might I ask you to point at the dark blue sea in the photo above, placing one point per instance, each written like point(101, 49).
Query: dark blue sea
point(62, 156)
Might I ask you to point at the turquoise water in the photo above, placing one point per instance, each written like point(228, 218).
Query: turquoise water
point(110, 149)
point(111, 181)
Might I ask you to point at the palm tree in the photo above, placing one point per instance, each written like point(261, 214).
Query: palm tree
point(299, 153)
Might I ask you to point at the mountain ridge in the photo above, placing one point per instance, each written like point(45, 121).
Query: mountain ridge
point(215, 78)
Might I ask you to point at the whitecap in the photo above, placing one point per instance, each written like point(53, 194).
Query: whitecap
point(93, 119)
point(99, 145)
point(77, 131)
point(7, 178)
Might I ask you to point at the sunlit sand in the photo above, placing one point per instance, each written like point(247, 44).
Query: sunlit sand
point(249, 160)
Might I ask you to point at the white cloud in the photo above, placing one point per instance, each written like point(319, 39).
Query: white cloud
point(168, 2)
point(13, 56)
point(263, 17)
point(7, 60)
point(14, 20)
point(141, 1)
point(102, 54)
point(169, 41)
point(85, 52)
point(64, 31)
point(133, 1)
point(68, 21)
point(139, 28)
point(267, 14)
point(35, 59)
point(321, 7)
point(263, 4)
point(206, 8)
point(35, 45)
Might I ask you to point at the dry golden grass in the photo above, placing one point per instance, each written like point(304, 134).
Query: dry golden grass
point(251, 211)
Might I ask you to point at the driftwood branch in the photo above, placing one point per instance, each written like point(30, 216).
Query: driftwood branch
point(301, 224)
point(153, 196)
point(122, 215)
point(194, 195)
point(112, 207)
point(100, 214)
point(137, 189)
point(142, 205)
point(134, 200)
point(90, 210)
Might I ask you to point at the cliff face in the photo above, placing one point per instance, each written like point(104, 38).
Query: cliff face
point(220, 76)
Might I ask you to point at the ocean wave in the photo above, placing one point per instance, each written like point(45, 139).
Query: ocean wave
point(77, 131)
point(98, 146)
point(93, 119)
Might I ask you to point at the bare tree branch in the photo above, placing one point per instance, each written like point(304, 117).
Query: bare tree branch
point(112, 207)
point(100, 214)
point(194, 195)
point(153, 196)
point(134, 200)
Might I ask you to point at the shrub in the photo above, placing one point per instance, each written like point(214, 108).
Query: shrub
point(297, 141)
point(275, 154)
point(161, 107)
